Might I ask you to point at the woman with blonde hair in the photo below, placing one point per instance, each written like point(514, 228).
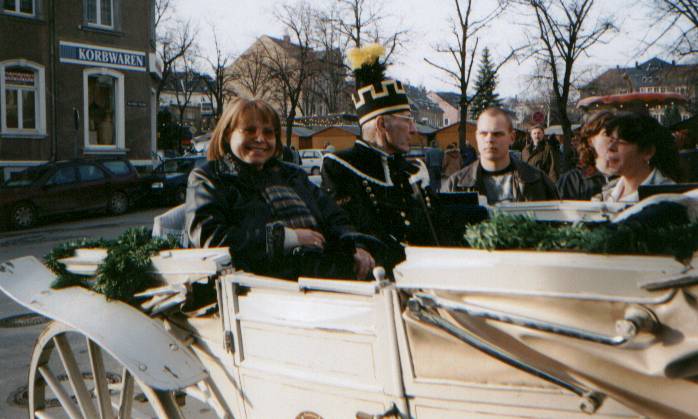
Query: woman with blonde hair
point(272, 218)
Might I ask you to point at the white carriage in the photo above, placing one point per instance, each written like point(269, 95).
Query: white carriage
point(461, 333)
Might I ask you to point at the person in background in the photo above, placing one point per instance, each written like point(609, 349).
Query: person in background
point(434, 158)
point(329, 148)
point(468, 154)
point(591, 173)
point(497, 175)
point(541, 154)
point(641, 152)
point(452, 161)
point(272, 218)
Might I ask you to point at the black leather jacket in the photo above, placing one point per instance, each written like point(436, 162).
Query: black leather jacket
point(225, 207)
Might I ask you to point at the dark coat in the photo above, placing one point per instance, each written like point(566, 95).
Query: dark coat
point(530, 184)
point(576, 185)
point(225, 207)
point(545, 157)
point(374, 189)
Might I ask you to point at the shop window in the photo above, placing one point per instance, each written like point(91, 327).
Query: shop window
point(103, 108)
point(22, 98)
point(20, 7)
point(100, 13)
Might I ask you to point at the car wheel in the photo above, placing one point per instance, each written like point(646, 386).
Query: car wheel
point(23, 216)
point(118, 204)
point(315, 171)
point(181, 195)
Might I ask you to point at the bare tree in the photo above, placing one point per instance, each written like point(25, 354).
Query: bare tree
point(184, 82)
point(461, 53)
point(330, 85)
point(218, 87)
point(251, 74)
point(292, 63)
point(363, 21)
point(173, 42)
point(563, 33)
point(680, 17)
point(163, 12)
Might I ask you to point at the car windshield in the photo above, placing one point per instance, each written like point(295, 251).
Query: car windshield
point(25, 177)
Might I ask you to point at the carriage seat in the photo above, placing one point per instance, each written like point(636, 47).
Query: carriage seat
point(172, 223)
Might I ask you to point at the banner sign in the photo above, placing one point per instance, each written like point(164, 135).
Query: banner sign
point(85, 54)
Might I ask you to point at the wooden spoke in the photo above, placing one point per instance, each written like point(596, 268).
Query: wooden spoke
point(163, 402)
point(75, 377)
point(41, 414)
point(59, 392)
point(100, 379)
point(126, 400)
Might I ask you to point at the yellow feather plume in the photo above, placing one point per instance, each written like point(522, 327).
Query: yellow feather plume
point(365, 55)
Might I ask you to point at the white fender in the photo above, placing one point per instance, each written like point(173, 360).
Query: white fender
point(139, 343)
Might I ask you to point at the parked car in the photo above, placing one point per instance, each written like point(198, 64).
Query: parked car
point(311, 160)
point(168, 182)
point(69, 186)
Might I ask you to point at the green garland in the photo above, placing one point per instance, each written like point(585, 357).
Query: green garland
point(123, 273)
point(505, 231)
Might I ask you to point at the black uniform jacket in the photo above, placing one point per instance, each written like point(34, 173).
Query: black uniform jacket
point(225, 207)
point(375, 190)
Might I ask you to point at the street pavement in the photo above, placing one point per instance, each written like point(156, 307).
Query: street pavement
point(16, 342)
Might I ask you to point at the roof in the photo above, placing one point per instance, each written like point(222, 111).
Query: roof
point(651, 99)
point(650, 73)
point(419, 99)
point(452, 98)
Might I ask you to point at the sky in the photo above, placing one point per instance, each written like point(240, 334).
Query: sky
point(240, 22)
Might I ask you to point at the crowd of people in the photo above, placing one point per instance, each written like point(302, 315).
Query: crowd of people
point(373, 201)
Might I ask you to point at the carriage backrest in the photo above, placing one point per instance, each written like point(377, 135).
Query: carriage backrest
point(172, 223)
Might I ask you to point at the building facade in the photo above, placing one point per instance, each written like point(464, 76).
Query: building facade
point(187, 96)
point(449, 104)
point(652, 76)
point(77, 78)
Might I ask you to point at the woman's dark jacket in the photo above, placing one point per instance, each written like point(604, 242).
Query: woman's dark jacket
point(577, 185)
point(226, 207)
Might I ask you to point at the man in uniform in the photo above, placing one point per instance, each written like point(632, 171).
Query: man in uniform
point(384, 194)
point(497, 175)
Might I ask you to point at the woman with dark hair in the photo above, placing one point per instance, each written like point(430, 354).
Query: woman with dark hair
point(641, 152)
point(272, 218)
point(590, 175)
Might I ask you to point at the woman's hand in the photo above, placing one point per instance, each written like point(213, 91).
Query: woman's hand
point(307, 237)
point(363, 263)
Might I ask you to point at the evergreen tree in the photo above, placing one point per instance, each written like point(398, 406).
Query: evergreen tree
point(485, 85)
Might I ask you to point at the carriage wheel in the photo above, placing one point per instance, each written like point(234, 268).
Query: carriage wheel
point(60, 387)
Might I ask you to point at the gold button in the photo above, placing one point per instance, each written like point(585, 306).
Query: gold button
point(402, 213)
point(368, 189)
point(407, 223)
point(365, 182)
point(372, 196)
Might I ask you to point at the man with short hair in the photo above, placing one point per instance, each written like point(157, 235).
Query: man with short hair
point(497, 175)
point(383, 193)
point(542, 154)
